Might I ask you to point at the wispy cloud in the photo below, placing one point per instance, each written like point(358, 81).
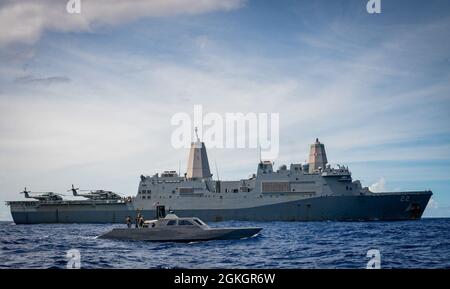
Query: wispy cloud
point(42, 80)
point(26, 20)
point(432, 204)
point(435, 210)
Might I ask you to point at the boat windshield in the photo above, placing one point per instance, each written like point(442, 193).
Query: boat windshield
point(200, 222)
point(185, 223)
point(172, 223)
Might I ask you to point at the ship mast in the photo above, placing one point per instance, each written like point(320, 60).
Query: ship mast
point(317, 156)
point(198, 165)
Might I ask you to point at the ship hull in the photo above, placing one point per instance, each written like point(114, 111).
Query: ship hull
point(373, 207)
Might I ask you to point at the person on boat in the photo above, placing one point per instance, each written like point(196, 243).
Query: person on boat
point(141, 221)
point(128, 221)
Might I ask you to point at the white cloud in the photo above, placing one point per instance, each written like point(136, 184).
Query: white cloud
point(432, 204)
point(43, 80)
point(5, 216)
point(77, 117)
point(379, 186)
point(435, 209)
point(24, 21)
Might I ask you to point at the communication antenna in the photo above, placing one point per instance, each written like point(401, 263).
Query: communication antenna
point(217, 170)
point(260, 157)
point(179, 168)
point(196, 134)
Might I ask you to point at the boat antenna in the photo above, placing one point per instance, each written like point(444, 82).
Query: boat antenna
point(179, 167)
point(217, 170)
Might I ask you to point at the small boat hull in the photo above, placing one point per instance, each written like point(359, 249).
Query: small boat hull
point(180, 234)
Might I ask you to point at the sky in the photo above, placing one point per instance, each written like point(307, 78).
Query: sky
point(87, 98)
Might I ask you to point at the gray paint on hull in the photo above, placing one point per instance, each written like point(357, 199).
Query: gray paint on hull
point(390, 206)
point(179, 234)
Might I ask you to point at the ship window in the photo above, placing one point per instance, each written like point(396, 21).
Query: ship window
point(185, 223)
point(143, 197)
point(235, 191)
point(172, 223)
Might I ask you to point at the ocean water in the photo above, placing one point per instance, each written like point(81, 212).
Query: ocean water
point(410, 244)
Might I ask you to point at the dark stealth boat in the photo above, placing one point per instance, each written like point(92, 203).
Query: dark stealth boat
point(171, 228)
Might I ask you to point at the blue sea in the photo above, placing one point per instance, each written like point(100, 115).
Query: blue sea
point(409, 244)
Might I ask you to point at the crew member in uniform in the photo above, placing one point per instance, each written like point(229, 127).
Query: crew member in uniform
point(128, 221)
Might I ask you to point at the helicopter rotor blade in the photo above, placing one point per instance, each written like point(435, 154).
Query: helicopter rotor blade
point(24, 191)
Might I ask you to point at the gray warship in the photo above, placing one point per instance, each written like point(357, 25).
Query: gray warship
point(313, 191)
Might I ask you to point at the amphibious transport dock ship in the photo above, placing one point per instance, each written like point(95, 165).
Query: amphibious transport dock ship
point(301, 192)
